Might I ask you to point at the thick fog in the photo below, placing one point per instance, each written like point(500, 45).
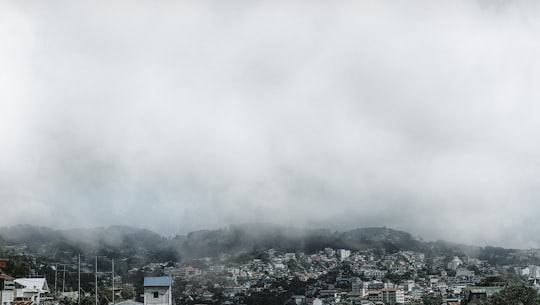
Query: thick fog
point(176, 116)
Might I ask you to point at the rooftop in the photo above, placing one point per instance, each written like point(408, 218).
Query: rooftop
point(161, 281)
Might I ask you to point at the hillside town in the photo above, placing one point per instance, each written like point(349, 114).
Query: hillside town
point(329, 276)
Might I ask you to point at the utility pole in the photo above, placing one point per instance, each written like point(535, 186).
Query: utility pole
point(113, 281)
point(79, 291)
point(55, 276)
point(96, 282)
point(64, 280)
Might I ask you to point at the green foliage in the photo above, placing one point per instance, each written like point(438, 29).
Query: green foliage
point(430, 299)
point(179, 290)
point(398, 278)
point(493, 281)
point(128, 293)
point(514, 295)
point(17, 266)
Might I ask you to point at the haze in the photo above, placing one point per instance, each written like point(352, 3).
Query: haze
point(183, 115)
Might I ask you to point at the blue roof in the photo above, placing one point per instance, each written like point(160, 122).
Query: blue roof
point(161, 281)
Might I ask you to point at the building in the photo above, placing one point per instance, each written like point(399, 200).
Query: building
point(356, 287)
point(473, 295)
point(375, 273)
point(344, 254)
point(7, 287)
point(158, 290)
point(455, 263)
point(375, 296)
point(388, 296)
point(393, 296)
point(298, 300)
point(31, 289)
point(190, 272)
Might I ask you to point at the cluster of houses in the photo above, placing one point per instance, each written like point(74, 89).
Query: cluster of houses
point(35, 291)
point(359, 277)
point(22, 291)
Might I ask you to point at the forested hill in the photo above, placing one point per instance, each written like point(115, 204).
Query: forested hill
point(146, 246)
point(240, 238)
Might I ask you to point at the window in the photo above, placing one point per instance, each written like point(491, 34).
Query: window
point(156, 294)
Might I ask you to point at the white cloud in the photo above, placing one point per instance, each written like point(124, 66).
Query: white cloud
point(418, 116)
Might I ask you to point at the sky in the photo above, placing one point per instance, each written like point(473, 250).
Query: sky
point(177, 116)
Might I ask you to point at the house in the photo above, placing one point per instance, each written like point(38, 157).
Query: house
point(375, 273)
point(7, 286)
point(474, 295)
point(30, 290)
point(190, 272)
point(158, 290)
point(298, 300)
point(452, 302)
point(207, 296)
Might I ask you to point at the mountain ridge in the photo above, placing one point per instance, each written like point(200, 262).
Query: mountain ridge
point(123, 241)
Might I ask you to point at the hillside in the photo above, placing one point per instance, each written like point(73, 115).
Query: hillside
point(144, 246)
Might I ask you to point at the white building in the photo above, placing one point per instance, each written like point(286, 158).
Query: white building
point(30, 289)
point(455, 263)
point(158, 290)
point(393, 296)
point(343, 253)
point(7, 287)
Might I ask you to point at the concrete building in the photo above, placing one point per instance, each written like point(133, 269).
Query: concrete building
point(344, 254)
point(356, 287)
point(158, 290)
point(375, 296)
point(7, 287)
point(393, 296)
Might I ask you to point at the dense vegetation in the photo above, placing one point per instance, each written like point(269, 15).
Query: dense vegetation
point(514, 295)
point(40, 251)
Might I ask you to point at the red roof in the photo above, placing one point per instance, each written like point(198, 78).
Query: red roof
point(22, 302)
point(6, 277)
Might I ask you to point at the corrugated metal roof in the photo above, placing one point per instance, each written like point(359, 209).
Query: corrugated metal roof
point(129, 303)
point(161, 281)
point(39, 284)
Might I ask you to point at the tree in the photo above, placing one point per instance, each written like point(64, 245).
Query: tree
point(430, 299)
point(514, 295)
point(17, 266)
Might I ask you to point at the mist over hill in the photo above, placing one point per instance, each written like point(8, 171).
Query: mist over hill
point(147, 246)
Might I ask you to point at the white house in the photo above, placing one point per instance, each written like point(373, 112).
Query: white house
point(30, 289)
point(157, 290)
point(7, 286)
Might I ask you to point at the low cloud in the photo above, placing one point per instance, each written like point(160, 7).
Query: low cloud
point(183, 116)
